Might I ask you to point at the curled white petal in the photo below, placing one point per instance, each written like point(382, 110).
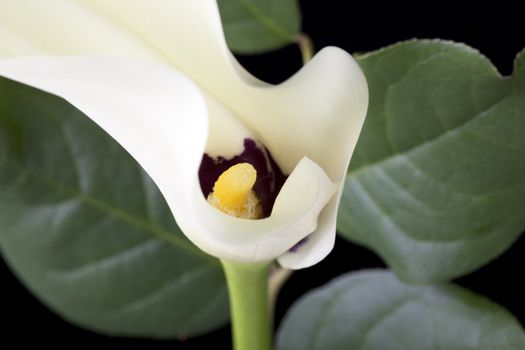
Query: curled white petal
point(294, 216)
point(317, 113)
point(325, 105)
point(318, 244)
point(227, 132)
point(160, 117)
point(157, 114)
point(64, 27)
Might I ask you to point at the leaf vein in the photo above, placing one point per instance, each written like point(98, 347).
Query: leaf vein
point(107, 261)
point(150, 298)
point(414, 149)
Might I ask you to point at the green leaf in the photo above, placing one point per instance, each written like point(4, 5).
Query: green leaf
point(256, 26)
point(372, 310)
point(89, 233)
point(436, 184)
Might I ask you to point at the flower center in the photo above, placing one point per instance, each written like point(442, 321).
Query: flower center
point(269, 178)
point(233, 194)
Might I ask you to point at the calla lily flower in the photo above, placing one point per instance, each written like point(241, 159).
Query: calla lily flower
point(158, 77)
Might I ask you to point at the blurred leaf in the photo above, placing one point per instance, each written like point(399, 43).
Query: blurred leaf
point(372, 310)
point(257, 26)
point(89, 233)
point(436, 185)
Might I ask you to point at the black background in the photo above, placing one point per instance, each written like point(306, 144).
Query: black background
point(496, 29)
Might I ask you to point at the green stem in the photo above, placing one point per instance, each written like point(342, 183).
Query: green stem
point(306, 46)
point(250, 314)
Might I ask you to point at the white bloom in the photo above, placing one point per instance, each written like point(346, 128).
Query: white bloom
point(158, 77)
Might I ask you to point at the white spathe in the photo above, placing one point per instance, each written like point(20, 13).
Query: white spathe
point(177, 92)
